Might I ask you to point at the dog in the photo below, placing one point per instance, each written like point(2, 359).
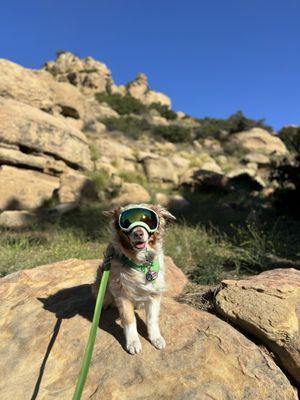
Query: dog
point(137, 272)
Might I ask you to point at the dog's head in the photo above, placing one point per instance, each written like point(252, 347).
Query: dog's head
point(140, 238)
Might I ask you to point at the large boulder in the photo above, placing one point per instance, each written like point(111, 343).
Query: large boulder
point(259, 140)
point(75, 187)
point(267, 306)
point(87, 74)
point(46, 316)
point(160, 169)
point(25, 189)
point(39, 89)
point(23, 85)
point(131, 193)
point(139, 89)
point(35, 130)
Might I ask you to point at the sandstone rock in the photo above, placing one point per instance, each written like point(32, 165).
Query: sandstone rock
point(114, 150)
point(162, 199)
point(157, 120)
point(180, 114)
point(39, 89)
point(23, 85)
point(98, 111)
point(75, 187)
point(88, 74)
point(156, 97)
point(267, 306)
point(131, 193)
point(205, 358)
point(257, 158)
point(25, 189)
point(258, 139)
point(10, 154)
point(139, 89)
point(212, 167)
point(17, 219)
point(121, 89)
point(36, 130)
point(160, 169)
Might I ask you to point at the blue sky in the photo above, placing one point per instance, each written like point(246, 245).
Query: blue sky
point(211, 57)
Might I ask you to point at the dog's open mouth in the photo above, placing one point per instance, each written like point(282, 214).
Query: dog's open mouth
point(140, 245)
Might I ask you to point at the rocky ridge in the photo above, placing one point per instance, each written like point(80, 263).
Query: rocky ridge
point(71, 119)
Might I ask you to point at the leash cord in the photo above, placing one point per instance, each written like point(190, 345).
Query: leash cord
point(92, 336)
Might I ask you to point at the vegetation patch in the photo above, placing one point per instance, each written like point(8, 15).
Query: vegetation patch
point(122, 104)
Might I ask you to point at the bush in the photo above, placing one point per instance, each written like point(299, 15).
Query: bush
point(132, 127)
point(290, 135)
point(174, 133)
point(122, 104)
point(212, 127)
point(164, 111)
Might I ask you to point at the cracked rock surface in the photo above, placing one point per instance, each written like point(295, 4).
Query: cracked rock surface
point(46, 316)
point(267, 306)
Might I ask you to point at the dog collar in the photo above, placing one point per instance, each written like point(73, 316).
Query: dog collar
point(150, 269)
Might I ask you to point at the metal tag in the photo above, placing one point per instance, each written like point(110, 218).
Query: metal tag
point(151, 275)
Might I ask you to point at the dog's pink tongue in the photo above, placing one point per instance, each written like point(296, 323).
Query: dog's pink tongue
point(140, 245)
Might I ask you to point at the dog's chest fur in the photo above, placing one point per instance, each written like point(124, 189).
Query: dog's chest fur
point(132, 284)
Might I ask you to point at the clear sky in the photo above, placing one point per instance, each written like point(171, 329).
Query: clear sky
point(212, 57)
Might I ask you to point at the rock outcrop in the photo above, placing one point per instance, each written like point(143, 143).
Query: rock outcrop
point(139, 89)
point(46, 315)
point(35, 130)
point(260, 140)
point(25, 189)
point(268, 307)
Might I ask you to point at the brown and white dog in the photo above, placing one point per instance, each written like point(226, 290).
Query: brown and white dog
point(127, 287)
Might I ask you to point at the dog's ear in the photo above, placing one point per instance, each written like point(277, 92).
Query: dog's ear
point(162, 212)
point(114, 214)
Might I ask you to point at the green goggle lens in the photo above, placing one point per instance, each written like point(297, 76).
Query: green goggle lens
point(143, 215)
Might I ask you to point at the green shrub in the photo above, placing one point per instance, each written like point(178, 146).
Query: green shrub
point(237, 122)
point(100, 179)
point(122, 104)
point(132, 127)
point(290, 135)
point(173, 133)
point(164, 111)
point(134, 177)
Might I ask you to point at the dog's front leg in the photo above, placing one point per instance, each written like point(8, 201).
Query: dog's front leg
point(126, 310)
point(152, 317)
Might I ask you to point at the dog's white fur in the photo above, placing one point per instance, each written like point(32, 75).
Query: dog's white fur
point(128, 287)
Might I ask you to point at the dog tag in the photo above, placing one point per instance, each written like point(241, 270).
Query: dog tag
point(151, 275)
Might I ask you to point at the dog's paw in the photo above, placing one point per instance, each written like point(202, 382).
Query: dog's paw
point(158, 342)
point(134, 346)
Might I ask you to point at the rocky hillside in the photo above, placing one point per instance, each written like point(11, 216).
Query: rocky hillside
point(68, 132)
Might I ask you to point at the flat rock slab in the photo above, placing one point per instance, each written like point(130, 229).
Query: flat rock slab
point(23, 125)
point(46, 316)
point(268, 306)
point(25, 189)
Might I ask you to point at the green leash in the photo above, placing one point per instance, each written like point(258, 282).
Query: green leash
point(92, 337)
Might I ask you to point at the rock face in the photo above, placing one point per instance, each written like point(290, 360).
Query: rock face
point(23, 125)
point(267, 306)
point(139, 89)
point(131, 193)
point(258, 139)
point(205, 358)
point(25, 189)
point(39, 89)
point(160, 169)
point(87, 74)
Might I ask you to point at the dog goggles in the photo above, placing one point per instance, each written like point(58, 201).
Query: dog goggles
point(139, 216)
